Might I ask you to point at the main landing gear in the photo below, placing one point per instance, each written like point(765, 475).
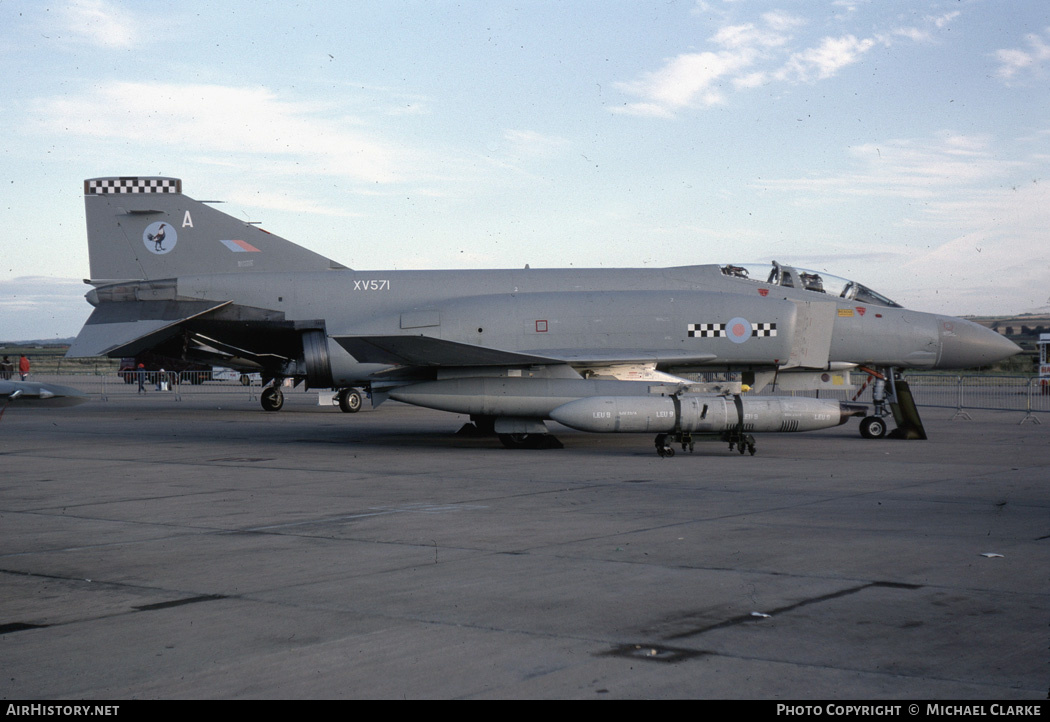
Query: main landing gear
point(350, 401)
point(271, 398)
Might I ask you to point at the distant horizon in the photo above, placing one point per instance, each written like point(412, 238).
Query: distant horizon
point(64, 341)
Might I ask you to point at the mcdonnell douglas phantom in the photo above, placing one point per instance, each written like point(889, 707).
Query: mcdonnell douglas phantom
point(600, 350)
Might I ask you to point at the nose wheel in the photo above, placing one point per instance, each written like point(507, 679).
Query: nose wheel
point(873, 427)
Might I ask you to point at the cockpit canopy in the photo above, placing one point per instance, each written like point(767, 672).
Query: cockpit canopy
point(815, 281)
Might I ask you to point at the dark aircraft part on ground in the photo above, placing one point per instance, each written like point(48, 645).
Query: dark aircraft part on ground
point(530, 441)
point(906, 414)
point(271, 398)
point(479, 426)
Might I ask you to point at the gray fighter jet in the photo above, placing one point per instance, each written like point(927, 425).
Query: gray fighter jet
point(601, 350)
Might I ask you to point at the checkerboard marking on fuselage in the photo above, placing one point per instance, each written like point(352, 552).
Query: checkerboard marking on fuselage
point(718, 330)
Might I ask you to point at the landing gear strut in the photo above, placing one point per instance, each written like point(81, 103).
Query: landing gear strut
point(892, 397)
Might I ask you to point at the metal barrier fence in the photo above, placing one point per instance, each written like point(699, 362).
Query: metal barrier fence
point(169, 385)
point(1027, 394)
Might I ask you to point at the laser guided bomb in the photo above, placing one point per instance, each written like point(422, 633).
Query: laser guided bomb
point(680, 418)
point(677, 412)
point(702, 413)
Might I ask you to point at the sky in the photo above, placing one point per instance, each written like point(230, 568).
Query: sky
point(902, 143)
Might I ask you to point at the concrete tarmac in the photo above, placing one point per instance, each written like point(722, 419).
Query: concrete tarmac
point(207, 549)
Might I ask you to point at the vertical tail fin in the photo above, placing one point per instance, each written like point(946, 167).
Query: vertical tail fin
point(144, 228)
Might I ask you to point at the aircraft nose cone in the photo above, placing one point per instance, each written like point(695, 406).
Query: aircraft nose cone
point(965, 344)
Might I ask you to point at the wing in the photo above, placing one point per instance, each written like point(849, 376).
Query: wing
point(429, 351)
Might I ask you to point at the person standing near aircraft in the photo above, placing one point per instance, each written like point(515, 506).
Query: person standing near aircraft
point(23, 367)
point(7, 369)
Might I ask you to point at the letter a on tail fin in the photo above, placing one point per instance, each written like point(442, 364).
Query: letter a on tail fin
point(144, 228)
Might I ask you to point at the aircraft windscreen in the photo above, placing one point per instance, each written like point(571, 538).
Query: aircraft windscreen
point(815, 281)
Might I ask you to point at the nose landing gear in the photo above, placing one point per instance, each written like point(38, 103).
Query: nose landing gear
point(892, 397)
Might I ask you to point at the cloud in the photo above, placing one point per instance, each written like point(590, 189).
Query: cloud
point(98, 22)
point(695, 80)
point(749, 55)
point(686, 80)
point(963, 215)
point(287, 202)
point(529, 143)
point(288, 137)
point(1014, 62)
point(943, 21)
point(825, 60)
point(917, 169)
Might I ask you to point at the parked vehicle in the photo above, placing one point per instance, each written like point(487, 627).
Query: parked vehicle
point(221, 373)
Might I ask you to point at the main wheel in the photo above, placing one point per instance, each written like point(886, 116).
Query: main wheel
point(349, 401)
point(271, 399)
point(873, 427)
